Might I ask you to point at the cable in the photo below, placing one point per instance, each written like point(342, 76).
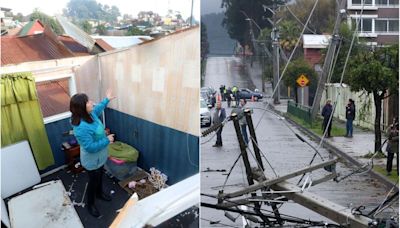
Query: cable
point(188, 152)
point(262, 153)
point(290, 11)
point(290, 58)
point(218, 222)
point(230, 171)
point(341, 82)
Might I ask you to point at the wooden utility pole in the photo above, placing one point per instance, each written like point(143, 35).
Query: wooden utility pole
point(329, 58)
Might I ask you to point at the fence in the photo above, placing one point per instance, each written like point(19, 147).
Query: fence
point(300, 111)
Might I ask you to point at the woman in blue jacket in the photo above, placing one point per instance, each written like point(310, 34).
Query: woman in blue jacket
point(89, 131)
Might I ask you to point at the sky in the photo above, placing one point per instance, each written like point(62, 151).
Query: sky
point(211, 6)
point(133, 7)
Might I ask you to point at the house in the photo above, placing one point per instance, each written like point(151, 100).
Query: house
point(379, 23)
point(32, 28)
point(38, 47)
point(312, 45)
point(123, 41)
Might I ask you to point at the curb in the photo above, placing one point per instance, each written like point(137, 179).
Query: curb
point(388, 184)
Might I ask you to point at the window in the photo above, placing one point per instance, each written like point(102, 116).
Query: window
point(366, 25)
point(381, 25)
point(54, 94)
point(356, 2)
point(381, 2)
point(393, 2)
point(53, 97)
point(393, 25)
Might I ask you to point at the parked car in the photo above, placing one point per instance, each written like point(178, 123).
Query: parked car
point(208, 94)
point(245, 93)
point(205, 113)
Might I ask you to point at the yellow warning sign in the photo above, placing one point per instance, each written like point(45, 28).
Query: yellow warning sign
point(302, 80)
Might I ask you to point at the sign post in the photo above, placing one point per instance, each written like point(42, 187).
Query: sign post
point(302, 81)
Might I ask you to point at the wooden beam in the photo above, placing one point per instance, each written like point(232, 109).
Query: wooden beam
point(322, 206)
point(267, 183)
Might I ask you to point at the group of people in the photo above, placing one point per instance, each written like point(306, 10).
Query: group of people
point(350, 116)
point(228, 94)
point(392, 148)
point(220, 115)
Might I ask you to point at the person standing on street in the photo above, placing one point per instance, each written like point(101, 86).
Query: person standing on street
point(393, 146)
point(242, 120)
point(326, 113)
point(228, 96)
point(350, 116)
point(219, 117)
point(93, 141)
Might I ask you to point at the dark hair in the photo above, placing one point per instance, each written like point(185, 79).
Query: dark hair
point(77, 106)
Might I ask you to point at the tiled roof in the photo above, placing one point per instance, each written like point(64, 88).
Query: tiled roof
point(104, 45)
point(53, 97)
point(44, 46)
point(73, 46)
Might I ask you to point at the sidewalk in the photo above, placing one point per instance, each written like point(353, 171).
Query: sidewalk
point(362, 143)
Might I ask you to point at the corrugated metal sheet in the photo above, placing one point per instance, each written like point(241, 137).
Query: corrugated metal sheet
point(76, 33)
point(173, 152)
point(30, 28)
point(38, 47)
point(74, 46)
point(123, 41)
point(53, 97)
point(104, 45)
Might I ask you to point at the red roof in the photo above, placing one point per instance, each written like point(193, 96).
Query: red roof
point(53, 97)
point(104, 45)
point(44, 46)
point(72, 45)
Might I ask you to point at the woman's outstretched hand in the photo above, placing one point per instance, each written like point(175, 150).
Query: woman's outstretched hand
point(109, 94)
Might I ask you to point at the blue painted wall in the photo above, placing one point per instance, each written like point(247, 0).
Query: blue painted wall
point(54, 133)
point(173, 152)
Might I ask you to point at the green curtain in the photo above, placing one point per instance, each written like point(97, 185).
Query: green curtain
point(21, 116)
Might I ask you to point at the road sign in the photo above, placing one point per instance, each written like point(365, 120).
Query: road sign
point(302, 80)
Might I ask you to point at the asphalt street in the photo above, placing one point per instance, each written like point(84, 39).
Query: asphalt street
point(283, 150)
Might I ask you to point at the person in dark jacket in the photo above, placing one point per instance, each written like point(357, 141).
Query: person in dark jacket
point(219, 117)
point(93, 141)
point(326, 113)
point(228, 97)
point(393, 146)
point(350, 116)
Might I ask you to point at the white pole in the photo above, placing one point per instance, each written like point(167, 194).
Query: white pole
point(302, 95)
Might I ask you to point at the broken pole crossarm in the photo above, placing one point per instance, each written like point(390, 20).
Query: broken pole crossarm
point(249, 174)
point(277, 180)
point(249, 120)
point(246, 162)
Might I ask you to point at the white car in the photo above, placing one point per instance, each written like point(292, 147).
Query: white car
point(205, 114)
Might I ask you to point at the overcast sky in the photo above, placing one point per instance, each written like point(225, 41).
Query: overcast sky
point(133, 7)
point(211, 6)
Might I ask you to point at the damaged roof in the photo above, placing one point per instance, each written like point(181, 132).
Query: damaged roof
point(44, 46)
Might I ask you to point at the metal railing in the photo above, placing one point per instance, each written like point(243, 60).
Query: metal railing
point(300, 111)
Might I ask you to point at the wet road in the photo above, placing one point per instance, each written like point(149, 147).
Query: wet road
point(283, 150)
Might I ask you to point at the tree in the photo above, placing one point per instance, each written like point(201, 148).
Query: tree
point(204, 47)
point(376, 72)
point(322, 20)
point(86, 26)
point(297, 68)
point(101, 29)
point(91, 10)
point(47, 20)
point(236, 13)
point(134, 31)
point(289, 34)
